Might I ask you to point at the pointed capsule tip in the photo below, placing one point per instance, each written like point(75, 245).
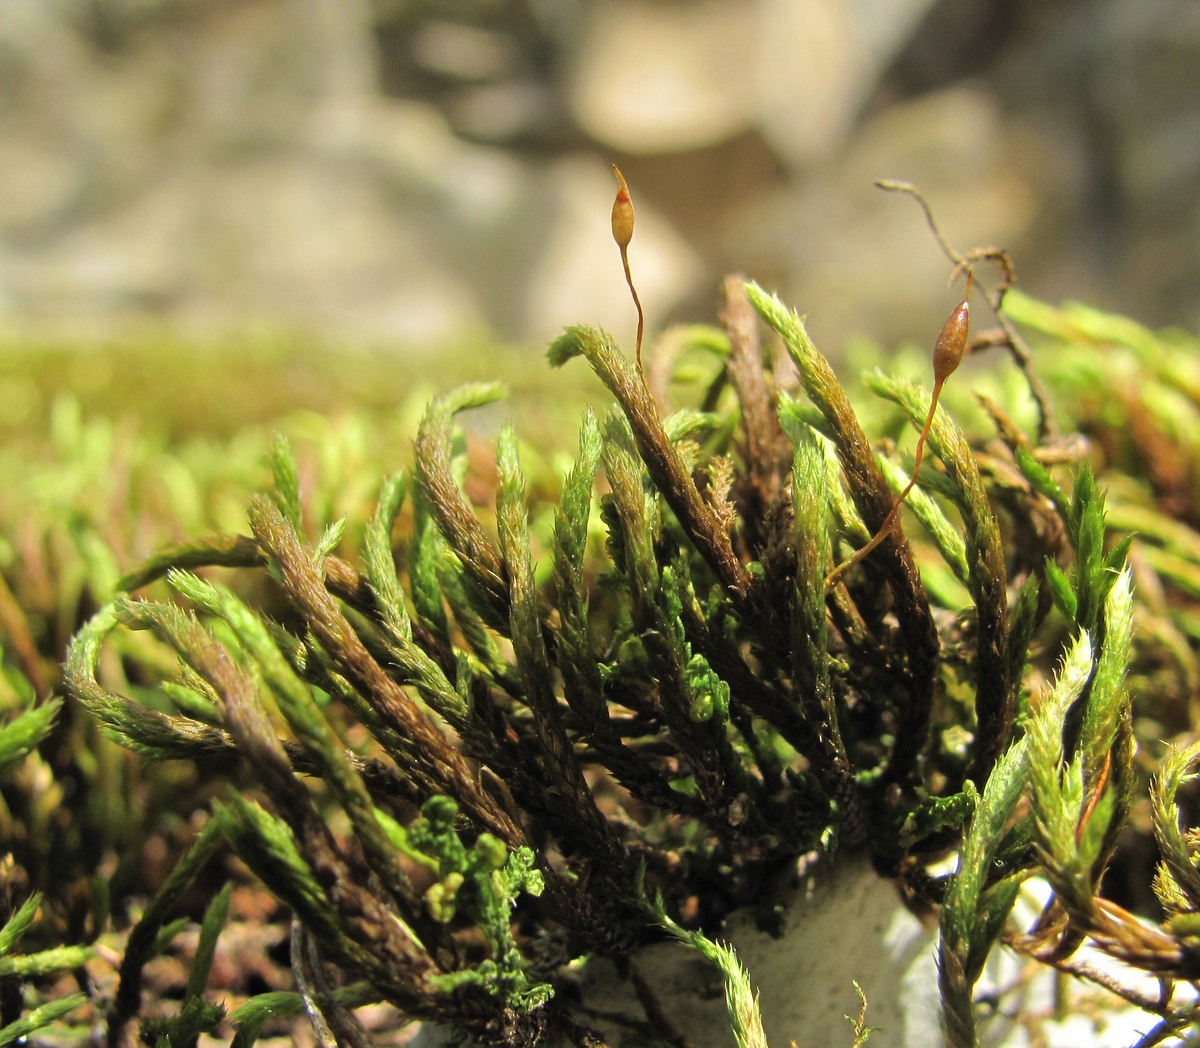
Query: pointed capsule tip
point(622, 213)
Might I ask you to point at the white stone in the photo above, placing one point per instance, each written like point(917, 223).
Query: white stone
point(848, 925)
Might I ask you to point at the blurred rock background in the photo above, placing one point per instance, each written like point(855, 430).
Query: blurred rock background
point(411, 171)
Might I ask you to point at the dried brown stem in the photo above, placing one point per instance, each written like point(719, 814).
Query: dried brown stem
point(14, 627)
point(1017, 346)
point(767, 451)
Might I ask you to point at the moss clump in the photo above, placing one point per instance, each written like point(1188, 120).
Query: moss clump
point(495, 723)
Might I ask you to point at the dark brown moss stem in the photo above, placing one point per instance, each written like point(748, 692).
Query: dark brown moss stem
point(442, 767)
point(873, 499)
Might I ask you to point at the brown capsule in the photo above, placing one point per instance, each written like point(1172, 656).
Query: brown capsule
point(622, 212)
point(951, 343)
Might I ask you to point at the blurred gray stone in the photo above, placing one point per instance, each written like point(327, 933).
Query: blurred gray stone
point(390, 170)
point(654, 77)
point(818, 64)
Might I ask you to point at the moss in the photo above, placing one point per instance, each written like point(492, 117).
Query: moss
point(477, 713)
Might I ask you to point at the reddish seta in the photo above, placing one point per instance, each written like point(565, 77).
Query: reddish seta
point(622, 229)
point(948, 351)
